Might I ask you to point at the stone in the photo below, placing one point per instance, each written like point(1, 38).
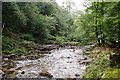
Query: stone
point(85, 58)
point(45, 73)
point(68, 57)
point(23, 57)
point(114, 59)
point(5, 58)
point(77, 75)
point(23, 72)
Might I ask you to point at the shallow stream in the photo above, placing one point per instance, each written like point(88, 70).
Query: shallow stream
point(64, 62)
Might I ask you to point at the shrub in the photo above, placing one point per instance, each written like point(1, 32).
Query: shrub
point(7, 43)
point(59, 40)
point(27, 37)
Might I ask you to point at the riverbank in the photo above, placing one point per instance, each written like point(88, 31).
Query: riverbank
point(100, 67)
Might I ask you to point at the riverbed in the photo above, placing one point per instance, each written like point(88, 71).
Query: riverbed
point(63, 62)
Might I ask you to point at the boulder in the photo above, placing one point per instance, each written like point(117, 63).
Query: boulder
point(114, 59)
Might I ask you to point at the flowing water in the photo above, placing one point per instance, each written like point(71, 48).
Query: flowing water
point(66, 62)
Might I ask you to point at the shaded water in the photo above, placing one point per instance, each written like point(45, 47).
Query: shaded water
point(64, 62)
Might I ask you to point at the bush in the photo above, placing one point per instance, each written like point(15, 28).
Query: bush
point(59, 40)
point(7, 43)
point(27, 37)
point(50, 37)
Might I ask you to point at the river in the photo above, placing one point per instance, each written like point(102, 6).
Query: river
point(64, 62)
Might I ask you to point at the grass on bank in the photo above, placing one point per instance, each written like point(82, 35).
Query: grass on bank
point(100, 66)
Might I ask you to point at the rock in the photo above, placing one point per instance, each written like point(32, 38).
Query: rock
point(85, 62)
point(68, 57)
point(77, 75)
point(114, 59)
point(69, 77)
point(32, 58)
point(13, 56)
point(5, 58)
point(4, 76)
point(23, 72)
point(12, 72)
point(19, 68)
point(5, 64)
point(1, 73)
point(69, 62)
point(85, 58)
point(23, 57)
point(45, 73)
point(87, 53)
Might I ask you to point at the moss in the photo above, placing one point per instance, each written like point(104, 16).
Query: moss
point(71, 43)
point(100, 67)
point(99, 64)
point(111, 73)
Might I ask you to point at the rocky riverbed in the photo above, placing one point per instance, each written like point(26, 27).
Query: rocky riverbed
point(57, 62)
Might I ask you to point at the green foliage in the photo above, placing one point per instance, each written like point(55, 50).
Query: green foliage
point(7, 32)
point(26, 37)
point(14, 51)
point(59, 40)
point(96, 68)
point(42, 20)
point(30, 43)
point(111, 73)
point(17, 18)
point(7, 43)
point(100, 23)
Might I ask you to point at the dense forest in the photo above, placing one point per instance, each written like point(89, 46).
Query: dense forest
point(48, 21)
point(28, 25)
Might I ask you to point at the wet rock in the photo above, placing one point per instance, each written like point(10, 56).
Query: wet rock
point(8, 65)
point(19, 68)
point(87, 53)
point(1, 73)
point(5, 58)
point(45, 73)
point(23, 57)
point(12, 72)
point(32, 58)
point(5, 64)
point(114, 59)
point(68, 57)
point(23, 72)
point(4, 76)
point(85, 58)
point(85, 62)
point(69, 77)
point(13, 56)
point(77, 75)
point(19, 54)
point(69, 62)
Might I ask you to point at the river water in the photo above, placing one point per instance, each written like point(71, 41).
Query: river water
point(65, 62)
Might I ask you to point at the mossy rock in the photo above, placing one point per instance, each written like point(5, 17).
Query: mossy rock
point(71, 43)
point(111, 73)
